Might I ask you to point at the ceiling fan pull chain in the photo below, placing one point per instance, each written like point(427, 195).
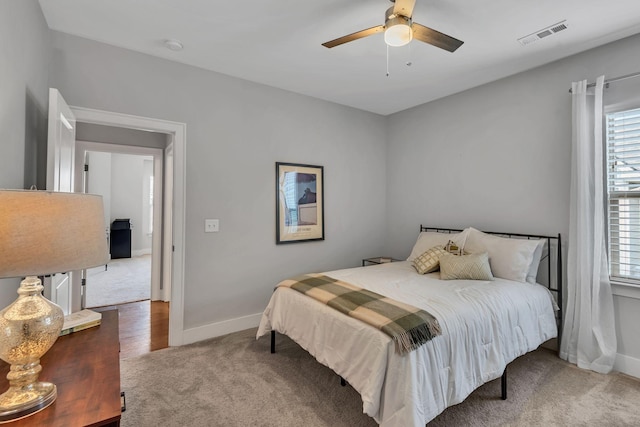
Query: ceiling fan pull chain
point(387, 60)
point(410, 62)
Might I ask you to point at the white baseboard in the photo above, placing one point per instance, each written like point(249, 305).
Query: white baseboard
point(627, 365)
point(140, 252)
point(225, 327)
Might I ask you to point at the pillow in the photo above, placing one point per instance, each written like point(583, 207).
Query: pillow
point(429, 261)
point(453, 248)
point(473, 267)
point(428, 239)
point(509, 258)
point(532, 275)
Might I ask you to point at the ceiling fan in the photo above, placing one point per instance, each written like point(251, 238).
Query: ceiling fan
point(399, 30)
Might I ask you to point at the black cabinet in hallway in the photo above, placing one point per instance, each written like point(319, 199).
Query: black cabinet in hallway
point(120, 238)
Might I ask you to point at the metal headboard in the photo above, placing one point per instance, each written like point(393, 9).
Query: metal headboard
point(546, 257)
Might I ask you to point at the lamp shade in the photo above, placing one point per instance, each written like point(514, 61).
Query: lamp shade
point(43, 232)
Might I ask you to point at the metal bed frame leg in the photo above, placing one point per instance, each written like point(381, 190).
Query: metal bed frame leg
point(503, 383)
point(273, 350)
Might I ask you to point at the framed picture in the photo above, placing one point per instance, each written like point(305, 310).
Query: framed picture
point(299, 203)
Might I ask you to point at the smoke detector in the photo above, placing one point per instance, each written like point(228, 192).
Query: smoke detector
point(173, 44)
point(545, 32)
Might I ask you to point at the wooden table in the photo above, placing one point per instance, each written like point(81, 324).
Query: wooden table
point(85, 367)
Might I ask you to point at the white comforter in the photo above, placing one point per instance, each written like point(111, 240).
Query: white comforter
point(485, 325)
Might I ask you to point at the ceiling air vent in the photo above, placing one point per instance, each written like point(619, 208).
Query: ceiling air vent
point(545, 32)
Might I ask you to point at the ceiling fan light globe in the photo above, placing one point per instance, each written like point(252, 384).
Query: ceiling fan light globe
point(398, 35)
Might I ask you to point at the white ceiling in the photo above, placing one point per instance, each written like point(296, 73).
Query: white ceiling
point(278, 42)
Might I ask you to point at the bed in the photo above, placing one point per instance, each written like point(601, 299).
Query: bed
point(485, 324)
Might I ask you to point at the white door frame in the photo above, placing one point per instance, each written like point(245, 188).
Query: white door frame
point(178, 132)
point(82, 147)
point(167, 222)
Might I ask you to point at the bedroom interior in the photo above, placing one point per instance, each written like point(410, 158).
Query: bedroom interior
point(431, 143)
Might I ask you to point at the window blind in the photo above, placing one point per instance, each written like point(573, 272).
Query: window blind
point(623, 189)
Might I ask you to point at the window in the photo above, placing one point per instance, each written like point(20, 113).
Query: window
point(623, 192)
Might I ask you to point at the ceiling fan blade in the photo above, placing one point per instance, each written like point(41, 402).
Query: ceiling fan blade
point(435, 38)
point(354, 36)
point(404, 7)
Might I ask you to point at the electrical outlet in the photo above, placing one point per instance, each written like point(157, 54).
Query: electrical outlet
point(211, 225)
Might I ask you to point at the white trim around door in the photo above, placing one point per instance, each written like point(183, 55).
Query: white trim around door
point(178, 133)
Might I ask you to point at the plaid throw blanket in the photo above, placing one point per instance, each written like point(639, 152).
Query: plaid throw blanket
point(408, 326)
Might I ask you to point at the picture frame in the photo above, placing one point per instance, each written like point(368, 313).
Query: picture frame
point(299, 203)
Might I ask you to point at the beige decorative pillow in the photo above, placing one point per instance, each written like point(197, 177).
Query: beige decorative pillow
point(453, 248)
point(429, 261)
point(428, 239)
point(473, 267)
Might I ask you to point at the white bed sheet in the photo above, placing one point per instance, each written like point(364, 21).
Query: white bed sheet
point(485, 325)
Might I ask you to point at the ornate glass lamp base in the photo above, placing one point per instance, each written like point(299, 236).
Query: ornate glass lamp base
point(18, 403)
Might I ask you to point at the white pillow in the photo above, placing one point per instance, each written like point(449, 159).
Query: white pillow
point(509, 258)
point(428, 239)
point(535, 263)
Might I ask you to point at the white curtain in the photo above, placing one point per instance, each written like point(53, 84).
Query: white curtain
point(589, 336)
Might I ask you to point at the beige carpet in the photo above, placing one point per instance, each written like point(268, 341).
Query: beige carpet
point(125, 280)
point(235, 381)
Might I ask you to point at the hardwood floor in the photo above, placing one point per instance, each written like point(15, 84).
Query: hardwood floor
point(144, 327)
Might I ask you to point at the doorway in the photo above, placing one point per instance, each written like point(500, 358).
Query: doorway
point(171, 246)
point(126, 183)
point(130, 180)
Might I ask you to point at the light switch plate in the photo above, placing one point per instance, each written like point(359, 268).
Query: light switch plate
point(211, 225)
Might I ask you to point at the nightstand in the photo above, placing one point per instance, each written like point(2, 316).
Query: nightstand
point(85, 367)
point(378, 260)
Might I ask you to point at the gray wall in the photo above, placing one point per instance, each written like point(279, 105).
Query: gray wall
point(497, 157)
point(236, 131)
point(25, 52)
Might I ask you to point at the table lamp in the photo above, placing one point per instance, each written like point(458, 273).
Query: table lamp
point(41, 233)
